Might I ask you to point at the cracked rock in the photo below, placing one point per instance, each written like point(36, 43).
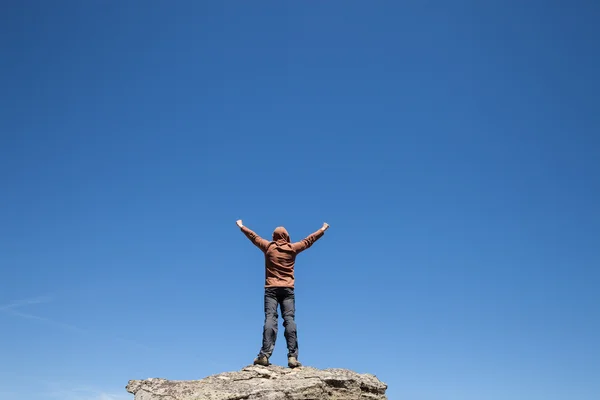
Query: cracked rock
point(265, 383)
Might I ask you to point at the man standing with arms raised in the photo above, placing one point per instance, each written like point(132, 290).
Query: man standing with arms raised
point(280, 256)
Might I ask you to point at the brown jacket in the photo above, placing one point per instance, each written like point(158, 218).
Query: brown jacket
point(280, 254)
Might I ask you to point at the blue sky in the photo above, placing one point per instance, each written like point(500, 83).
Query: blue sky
point(453, 148)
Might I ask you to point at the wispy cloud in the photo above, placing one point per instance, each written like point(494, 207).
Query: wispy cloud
point(107, 396)
point(5, 395)
point(61, 392)
point(58, 391)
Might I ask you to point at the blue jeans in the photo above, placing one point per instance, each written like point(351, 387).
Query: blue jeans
point(284, 297)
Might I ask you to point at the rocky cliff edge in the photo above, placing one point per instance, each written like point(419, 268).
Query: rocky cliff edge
point(265, 383)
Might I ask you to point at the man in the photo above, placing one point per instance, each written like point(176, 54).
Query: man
point(280, 257)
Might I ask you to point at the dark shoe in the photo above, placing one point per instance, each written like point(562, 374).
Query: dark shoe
point(261, 360)
point(293, 362)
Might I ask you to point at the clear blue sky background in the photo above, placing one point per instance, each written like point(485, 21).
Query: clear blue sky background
point(453, 148)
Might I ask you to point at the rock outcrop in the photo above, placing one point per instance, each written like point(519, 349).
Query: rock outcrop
point(265, 383)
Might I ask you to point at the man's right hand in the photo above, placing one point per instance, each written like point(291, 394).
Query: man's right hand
point(325, 226)
point(239, 223)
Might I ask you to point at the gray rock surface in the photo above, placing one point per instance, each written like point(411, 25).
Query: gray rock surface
point(265, 383)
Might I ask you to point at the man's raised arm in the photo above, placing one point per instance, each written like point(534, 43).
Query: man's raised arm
point(254, 238)
point(310, 239)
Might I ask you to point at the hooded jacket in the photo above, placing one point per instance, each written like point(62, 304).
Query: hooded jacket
point(280, 254)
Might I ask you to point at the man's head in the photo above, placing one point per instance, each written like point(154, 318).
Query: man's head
point(280, 233)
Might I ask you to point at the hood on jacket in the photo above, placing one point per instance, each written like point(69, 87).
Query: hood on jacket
point(280, 235)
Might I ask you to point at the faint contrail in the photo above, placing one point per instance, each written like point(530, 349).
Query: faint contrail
point(72, 328)
point(20, 303)
point(49, 321)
